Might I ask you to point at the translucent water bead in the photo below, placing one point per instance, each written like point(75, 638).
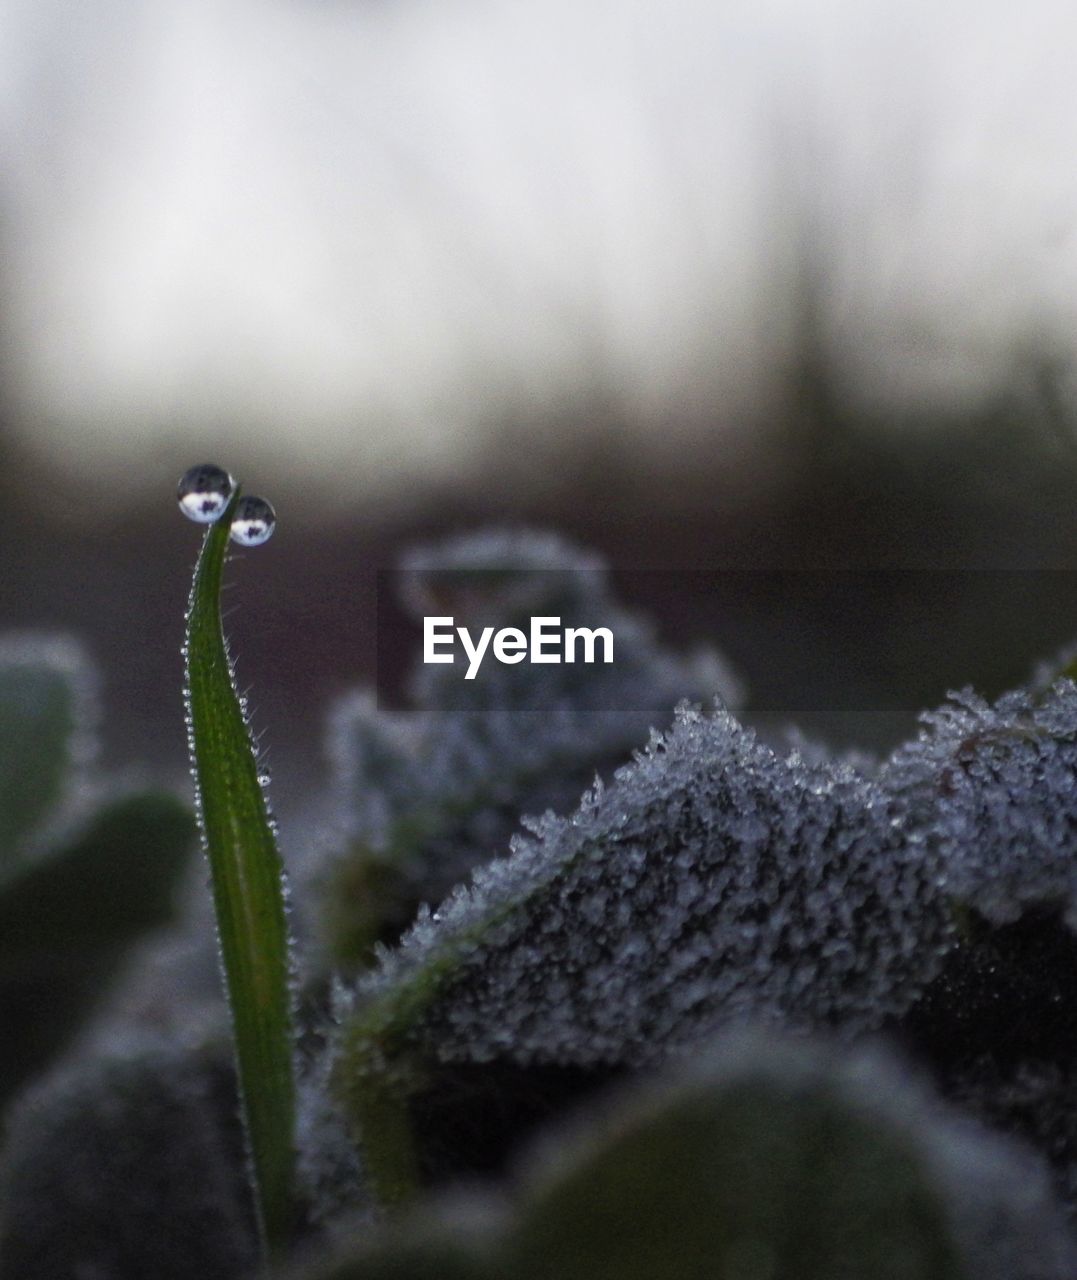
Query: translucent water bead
point(253, 522)
point(203, 492)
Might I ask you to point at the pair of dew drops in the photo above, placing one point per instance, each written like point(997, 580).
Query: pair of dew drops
point(203, 494)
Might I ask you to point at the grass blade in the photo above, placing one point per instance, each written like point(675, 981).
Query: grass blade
point(248, 892)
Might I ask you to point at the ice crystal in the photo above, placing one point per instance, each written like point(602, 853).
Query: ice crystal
point(714, 880)
point(995, 788)
point(328, 1167)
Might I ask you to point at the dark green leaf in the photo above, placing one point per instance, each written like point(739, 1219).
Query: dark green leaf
point(766, 1159)
point(67, 919)
point(42, 684)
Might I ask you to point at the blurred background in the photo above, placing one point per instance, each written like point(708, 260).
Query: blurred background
point(786, 292)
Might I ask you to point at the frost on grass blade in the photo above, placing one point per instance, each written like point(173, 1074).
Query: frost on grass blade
point(764, 1156)
point(713, 881)
point(248, 892)
point(425, 796)
point(994, 786)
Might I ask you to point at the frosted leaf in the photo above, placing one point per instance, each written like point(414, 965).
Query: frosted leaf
point(128, 1166)
point(1032, 1100)
point(1061, 664)
point(712, 881)
point(812, 751)
point(994, 786)
point(105, 879)
point(328, 1168)
point(425, 796)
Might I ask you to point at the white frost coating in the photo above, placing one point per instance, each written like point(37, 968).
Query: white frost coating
point(995, 787)
point(328, 1167)
point(713, 881)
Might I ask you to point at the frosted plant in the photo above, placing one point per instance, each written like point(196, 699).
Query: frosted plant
point(77, 848)
point(329, 1170)
point(994, 786)
point(993, 789)
point(127, 1166)
point(170, 984)
point(425, 796)
point(762, 1156)
point(1032, 1099)
point(713, 881)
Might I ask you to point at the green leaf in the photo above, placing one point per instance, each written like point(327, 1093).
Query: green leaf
point(750, 1177)
point(248, 892)
point(68, 918)
point(40, 711)
point(767, 1158)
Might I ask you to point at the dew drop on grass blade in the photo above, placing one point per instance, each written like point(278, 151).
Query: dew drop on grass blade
point(248, 888)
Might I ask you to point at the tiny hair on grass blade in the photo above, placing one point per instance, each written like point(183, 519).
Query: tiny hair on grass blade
point(248, 890)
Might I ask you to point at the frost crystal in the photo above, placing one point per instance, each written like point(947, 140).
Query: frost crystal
point(714, 880)
point(995, 787)
point(328, 1168)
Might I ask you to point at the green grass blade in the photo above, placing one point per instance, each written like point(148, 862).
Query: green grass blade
point(248, 893)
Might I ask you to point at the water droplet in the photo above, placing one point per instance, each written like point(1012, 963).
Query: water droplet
point(203, 492)
point(253, 522)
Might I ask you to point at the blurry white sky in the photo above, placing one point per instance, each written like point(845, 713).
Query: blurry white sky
point(366, 234)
